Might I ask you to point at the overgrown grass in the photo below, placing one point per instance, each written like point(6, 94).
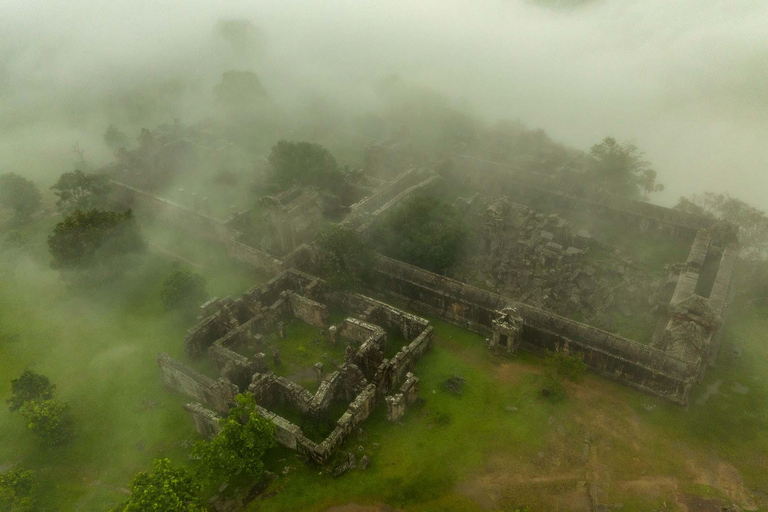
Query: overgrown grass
point(99, 347)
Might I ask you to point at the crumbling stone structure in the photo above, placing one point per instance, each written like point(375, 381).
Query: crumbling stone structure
point(232, 328)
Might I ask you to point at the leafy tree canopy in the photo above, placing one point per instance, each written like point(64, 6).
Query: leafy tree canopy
point(346, 259)
point(620, 169)
point(183, 290)
point(240, 446)
point(239, 88)
point(49, 420)
point(304, 163)
point(115, 138)
point(19, 195)
point(17, 490)
point(77, 190)
point(425, 232)
point(28, 386)
point(93, 236)
point(166, 488)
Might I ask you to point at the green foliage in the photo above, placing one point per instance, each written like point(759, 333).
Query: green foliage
point(561, 366)
point(19, 195)
point(17, 491)
point(165, 488)
point(115, 138)
point(752, 222)
point(304, 163)
point(85, 238)
point(77, 190)
point(183, 291)
point(346, 259)
point(425, 232)
point(239, 448)
point(49, 420)
point(29, 386)
point(620, 169)
point(239, 88)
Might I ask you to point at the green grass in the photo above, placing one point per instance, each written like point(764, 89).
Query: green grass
point(99, 348)
point(303, 346)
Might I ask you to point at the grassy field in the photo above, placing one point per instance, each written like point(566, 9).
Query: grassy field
point(99, 348)
point(498, 446)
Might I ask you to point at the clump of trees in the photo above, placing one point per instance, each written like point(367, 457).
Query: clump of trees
point(20, 196)
point(304, 163)
point(17, 490)
point(46, 417)
point(165, 487)
point(89, 238)
point(561, 366)
point(239, 447)
point(115, 138)
point(621, 169)
point(183, 291)
point(424, 231)
point(77, 190)
point(346, 258)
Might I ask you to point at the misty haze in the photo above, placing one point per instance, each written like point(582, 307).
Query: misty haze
point(364, 256)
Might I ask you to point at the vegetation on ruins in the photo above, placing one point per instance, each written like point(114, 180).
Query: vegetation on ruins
point(183, 291)
point(304, 163)
point(346, 258)
point(77, 190)
point(239, 447)
point(86, 238)
point(166, 487)
point(620, 168)
point(561, 366)
point(17, 490)
point(20, 196)
point(424, 231)
point(29, 386)
point(49, 420)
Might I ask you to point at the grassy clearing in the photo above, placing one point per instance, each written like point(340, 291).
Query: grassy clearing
point(99, 348)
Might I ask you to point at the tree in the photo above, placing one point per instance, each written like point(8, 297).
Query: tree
point(115, 138)
point(17, 490)
point(49, 420)
point(239, 88)
point(562, 365)
point(183, 290)
point(29, 386)
point(85, 238)
point(19, 195)
point(240, 445)
point(346, 259)
point(165, 488)
point(304, 163)
point(77, 190)
point(752, 222)
point(425, 232)
point(620, 169)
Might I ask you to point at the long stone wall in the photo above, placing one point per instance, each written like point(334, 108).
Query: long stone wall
point(218, 394)
point(637, 365)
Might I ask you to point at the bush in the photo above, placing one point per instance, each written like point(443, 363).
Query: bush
point(424, 231)
point(27, 387)
point(49, 420)
point(239, 448)
point(165, 488)
point(561, 365)
point(19, 195)
point(17, 490)
point(183, 291)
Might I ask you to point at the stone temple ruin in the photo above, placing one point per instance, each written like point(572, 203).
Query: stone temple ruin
point(232, 335)
point(543, 274)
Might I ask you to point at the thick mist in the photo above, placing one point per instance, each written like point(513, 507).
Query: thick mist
point(686, 80)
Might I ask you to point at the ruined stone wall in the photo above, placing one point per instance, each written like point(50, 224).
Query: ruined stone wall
point(635, 364)
point(379, 313)
point(309, 311)
point(218, 394)
point(206, 421)
point(391, 372)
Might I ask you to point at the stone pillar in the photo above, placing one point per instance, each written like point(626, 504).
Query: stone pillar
point(319, 372)
point(395, 407)
point(281, 330)
point(333, 335)
point(276, 356)
point(349, 353)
